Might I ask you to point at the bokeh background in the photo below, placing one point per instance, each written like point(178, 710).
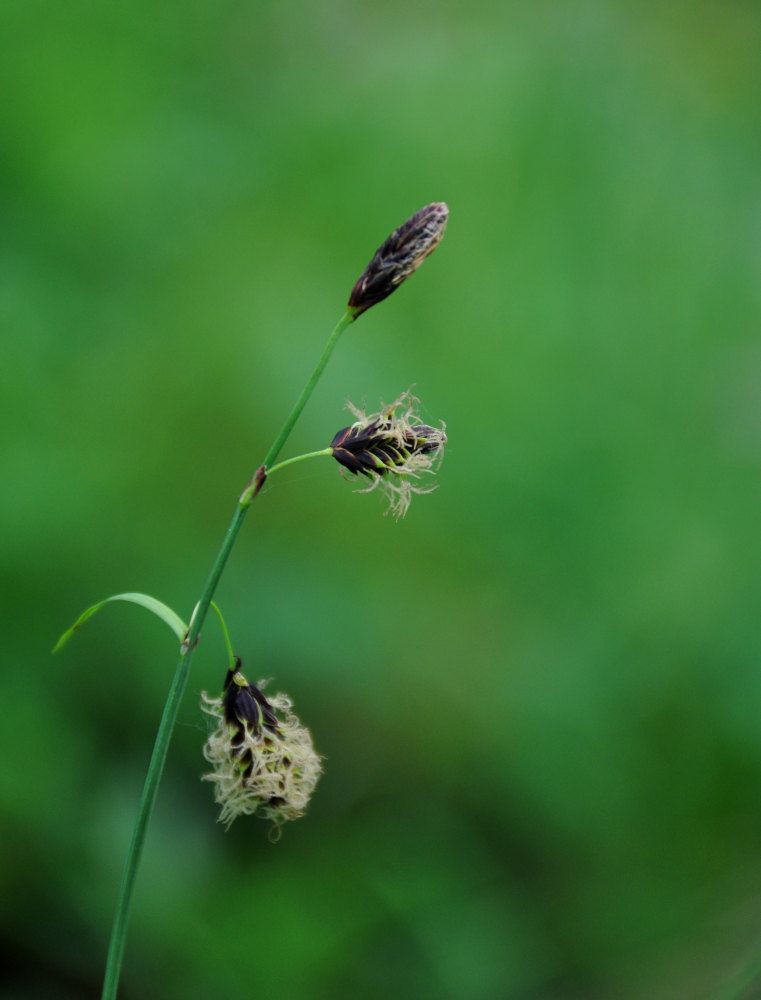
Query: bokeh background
point(539, 695)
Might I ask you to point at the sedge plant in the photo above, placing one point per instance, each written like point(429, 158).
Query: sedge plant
point(262, 758)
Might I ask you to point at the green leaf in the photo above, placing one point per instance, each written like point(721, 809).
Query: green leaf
point(173, 620)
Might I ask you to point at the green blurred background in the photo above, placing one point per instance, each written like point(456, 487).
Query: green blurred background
point(539, 695)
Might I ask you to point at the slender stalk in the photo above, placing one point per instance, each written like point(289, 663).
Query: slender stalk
point(348, 317)
point(226, 634)
point(299, 458)
point(171, 708)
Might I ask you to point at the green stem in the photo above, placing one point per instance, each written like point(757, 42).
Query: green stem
point(348, 317)
point(172, 706)
point(226, 634)
point(299, 458)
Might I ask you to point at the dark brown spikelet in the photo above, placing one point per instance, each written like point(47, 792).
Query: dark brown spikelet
point(245, 705)
point(375, 450)
point(398, 256)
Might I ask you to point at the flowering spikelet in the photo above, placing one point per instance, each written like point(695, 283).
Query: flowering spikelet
point(391, 448)
point(399, 255)
point(264, 762)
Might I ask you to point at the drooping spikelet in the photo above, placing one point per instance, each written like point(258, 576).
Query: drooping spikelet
point(263, 760)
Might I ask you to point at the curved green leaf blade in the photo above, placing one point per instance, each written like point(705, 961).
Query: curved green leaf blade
point(158, 608)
